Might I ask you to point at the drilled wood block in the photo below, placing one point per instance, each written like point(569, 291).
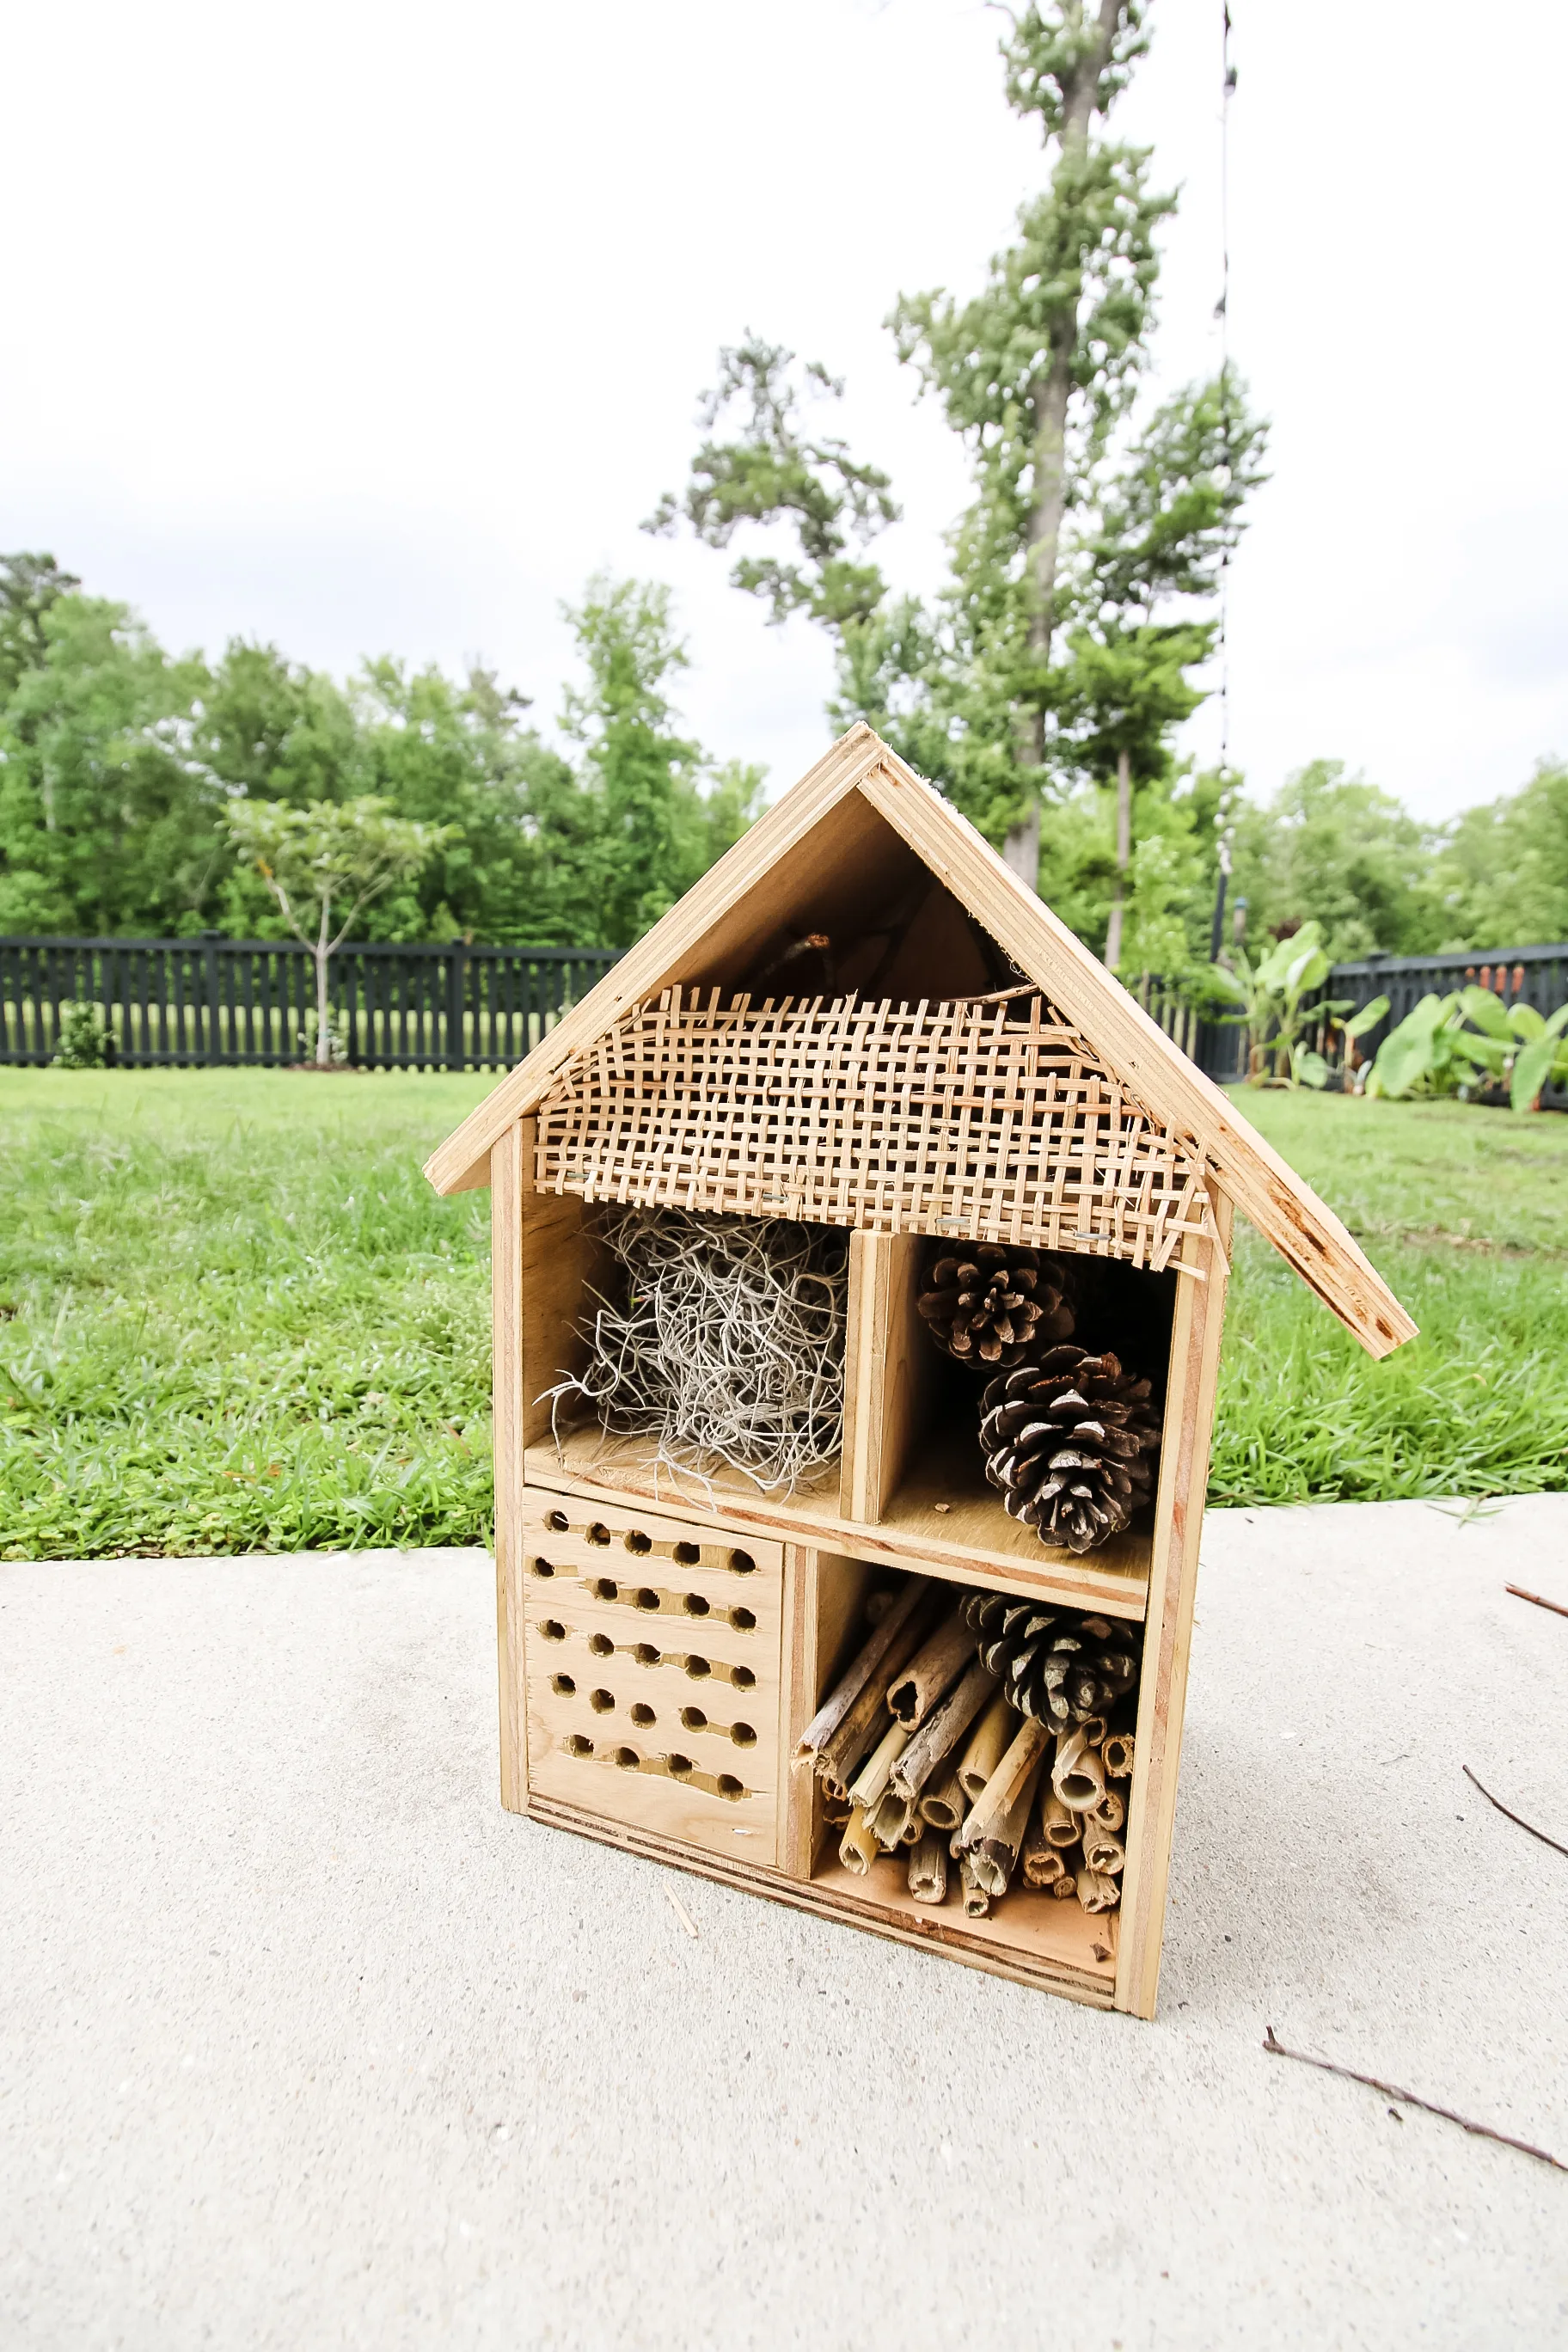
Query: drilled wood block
point(653, 1659)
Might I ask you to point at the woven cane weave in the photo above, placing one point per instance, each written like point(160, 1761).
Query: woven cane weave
point(993, 1120)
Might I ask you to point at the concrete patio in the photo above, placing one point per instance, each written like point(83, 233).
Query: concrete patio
point(305, 2043)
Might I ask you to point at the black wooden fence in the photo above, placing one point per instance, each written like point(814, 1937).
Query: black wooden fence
point(211, 1000)
point(228, 1002)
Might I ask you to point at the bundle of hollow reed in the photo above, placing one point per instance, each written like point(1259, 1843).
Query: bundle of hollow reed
point(725, 1345)
point(920, 1747)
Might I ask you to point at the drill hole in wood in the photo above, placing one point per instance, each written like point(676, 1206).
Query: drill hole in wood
point(600, 1701)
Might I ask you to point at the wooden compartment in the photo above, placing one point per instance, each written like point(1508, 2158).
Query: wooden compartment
point(911, 1485)
point(1029, 1935)
point(653, 1667)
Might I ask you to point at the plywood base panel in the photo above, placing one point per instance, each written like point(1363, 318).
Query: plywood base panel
point(1048, 1960)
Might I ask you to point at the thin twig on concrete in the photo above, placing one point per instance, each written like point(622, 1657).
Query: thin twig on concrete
point(681, 1911)
point(1514, 1817)
point(1277, 2049)
point(1539, 1598)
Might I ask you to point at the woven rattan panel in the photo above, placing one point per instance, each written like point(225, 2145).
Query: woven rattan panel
point(992, 1120)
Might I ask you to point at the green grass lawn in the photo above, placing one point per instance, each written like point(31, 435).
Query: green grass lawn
point(234, 1317)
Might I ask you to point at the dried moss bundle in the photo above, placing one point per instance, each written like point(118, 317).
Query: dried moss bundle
point(726, 1345)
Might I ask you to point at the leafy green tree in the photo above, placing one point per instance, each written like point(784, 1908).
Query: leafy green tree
point(107, 811)
point(30, 584)
point(1048, 667)
point(1502, 872)
point(118, 768)
point(323, 865)
point(656, 818)
point(1333, 849)
point(776, 470)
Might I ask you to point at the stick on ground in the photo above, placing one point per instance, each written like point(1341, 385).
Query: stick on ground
point(1277, 2049)
point(1511, 1816)
point(1539, 1598)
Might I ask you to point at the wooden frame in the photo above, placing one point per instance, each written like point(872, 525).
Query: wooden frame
point(907, 1494)
point(824, 1553)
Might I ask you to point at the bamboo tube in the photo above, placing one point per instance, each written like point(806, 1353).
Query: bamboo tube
point(976, 1902)
point(1093, 1728)
point(862, 1670)
point(1059, 1822)
point(1116, 1755)
point(1103, 1851)
point(1041, 1864)
point(983, 1753)
point(1063, 1886)
point(1096, 1892)
point(1078, 1776)
point(1028, 1747)
point(996, 1856)
point(943, 1807)
point(1110, 1813)
point(836, 1810)
point(865, 1720)
point(871, 1786)
point(943, 1729)
point(928, 1869)
point(857, 1848)
point(893, 1817)
point(933, 1669)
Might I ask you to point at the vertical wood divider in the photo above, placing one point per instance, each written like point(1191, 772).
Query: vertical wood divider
point(1168, 1626)
point(888, 1366)
point(511, 1168)
point(798, 1789)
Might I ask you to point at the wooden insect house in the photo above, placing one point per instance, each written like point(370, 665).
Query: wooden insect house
point(860, 1250)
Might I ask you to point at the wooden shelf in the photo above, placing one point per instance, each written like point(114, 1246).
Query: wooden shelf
point(1026, 1930)
point(972, 1540)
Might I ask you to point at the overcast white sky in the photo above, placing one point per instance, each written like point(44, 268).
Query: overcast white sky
point(377, 328)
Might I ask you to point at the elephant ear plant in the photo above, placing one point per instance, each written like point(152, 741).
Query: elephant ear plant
point(1446, 1045)
point(1274, 1003)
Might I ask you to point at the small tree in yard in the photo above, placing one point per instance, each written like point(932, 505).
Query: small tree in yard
point(323, 864)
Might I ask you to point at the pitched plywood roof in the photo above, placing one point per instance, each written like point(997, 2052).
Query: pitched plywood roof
point(815, 840)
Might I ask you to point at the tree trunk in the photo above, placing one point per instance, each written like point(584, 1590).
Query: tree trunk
point(323, 1012)
point(1021, 849)
point(1048, 397)
point(1123, 857)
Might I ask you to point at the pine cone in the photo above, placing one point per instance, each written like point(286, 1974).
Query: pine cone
point(1071, 1443)
point(1060, 1668)
point(994, 1302)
